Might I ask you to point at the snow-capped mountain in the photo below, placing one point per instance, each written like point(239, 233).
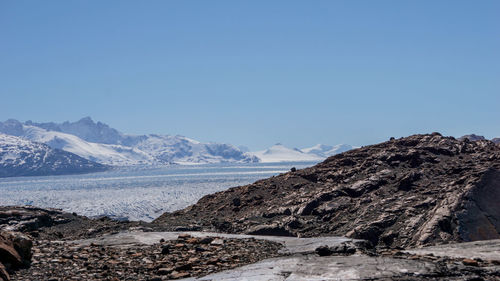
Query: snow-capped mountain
point(102, 153)
point(325, 151)
point(98, 142)
point(281, 153)
point(21, 157)
point(88, 130)
point(182, 150)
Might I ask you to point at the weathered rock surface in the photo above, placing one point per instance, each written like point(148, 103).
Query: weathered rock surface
point(55, 224)
point(488, 250)
point(15, 252)
point(335, 268)
point(414, 191)
point(291, 245)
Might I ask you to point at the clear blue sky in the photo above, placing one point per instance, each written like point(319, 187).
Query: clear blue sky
point(256, 72)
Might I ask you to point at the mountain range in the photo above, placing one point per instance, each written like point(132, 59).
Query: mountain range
point(20, 157)
point(102, 144)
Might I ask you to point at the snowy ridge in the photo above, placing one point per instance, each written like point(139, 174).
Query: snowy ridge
point(101, 153)
point(119, 149)
point(100, 143)
point(281, 153)
point(327, 150)
point(182, 150)
point(21, 157)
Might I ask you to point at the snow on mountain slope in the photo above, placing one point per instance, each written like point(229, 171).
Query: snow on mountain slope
point(21, 157)
point(144, 149)
point(165, 149)
point(90, 131)
point(281, 153)
point(182, 150)
point(100, 143)
point(101, 153)
point(325, 151)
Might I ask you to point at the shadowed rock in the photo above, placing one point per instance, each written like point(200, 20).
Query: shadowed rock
point(15, 252)
point(413, 191)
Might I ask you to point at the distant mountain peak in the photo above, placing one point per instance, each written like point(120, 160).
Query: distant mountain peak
point(87, 120)
point(472, 137)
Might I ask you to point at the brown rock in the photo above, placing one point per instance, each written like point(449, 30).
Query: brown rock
point(178, 275)
point(4, 276)
point(184, 236)
point(164, 270)
point(217, 242)
point(192, 240)
point(15, 249)
point(470, 262)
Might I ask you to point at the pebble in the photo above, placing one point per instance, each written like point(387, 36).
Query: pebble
point(181, 258)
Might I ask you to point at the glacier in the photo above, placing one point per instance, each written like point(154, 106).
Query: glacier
point(134, 192)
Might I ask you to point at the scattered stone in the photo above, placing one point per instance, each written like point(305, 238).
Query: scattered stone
point(324, 251)
point(94, 262)
point(164, 271)
point(206, 240)
point(217, 242)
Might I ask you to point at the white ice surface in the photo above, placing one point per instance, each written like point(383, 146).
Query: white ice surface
point(135, 193)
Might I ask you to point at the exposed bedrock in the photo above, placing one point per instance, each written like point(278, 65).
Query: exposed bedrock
point(480, 217)
point(413, 191)
point(15, 253)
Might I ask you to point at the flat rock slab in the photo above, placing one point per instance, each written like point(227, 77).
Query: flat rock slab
point(486, 250)
point(292, 245)
point(310, 267)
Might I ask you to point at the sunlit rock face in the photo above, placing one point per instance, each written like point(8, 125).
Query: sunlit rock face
point(413, 191)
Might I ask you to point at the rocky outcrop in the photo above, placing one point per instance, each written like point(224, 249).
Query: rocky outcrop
point(413, 191)
point(15, 253)
point(54, 224)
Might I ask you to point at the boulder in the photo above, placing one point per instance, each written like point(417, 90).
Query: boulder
point(15, 252)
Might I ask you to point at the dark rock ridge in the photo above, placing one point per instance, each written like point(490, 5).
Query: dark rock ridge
point(54, 224)
point(413, 191)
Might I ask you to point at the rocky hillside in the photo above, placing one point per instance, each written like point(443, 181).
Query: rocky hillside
point(20, 157)
point(413, 191)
